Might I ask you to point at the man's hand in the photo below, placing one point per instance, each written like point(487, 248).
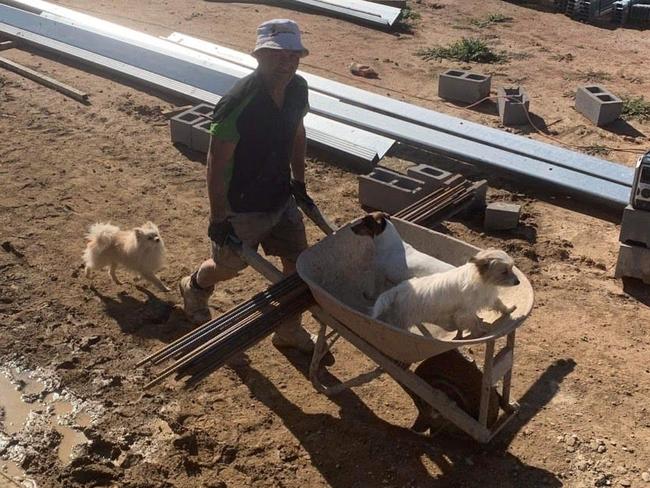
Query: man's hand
point(300, 192)
point(219, 232)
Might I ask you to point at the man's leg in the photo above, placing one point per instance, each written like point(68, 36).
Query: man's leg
point(287, 240)
point(291, 333)
point(197, 288)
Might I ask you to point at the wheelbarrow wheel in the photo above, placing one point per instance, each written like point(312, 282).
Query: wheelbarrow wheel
point(458, 378)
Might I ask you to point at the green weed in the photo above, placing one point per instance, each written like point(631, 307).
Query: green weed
point(636, 108)
point(465, 50)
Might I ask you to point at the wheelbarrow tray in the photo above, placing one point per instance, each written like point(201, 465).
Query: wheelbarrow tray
point(338, 270)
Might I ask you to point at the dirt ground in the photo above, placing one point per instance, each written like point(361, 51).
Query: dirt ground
point(582, 368)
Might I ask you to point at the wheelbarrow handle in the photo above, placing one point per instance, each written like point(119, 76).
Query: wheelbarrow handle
point(314, 214)
point(255, 260)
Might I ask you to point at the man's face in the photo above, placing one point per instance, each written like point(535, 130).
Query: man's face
point(282, 63)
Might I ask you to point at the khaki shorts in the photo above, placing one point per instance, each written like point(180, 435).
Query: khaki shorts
point(281, 233)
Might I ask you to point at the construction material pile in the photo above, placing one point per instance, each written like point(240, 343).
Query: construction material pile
point(343, 118)
point(621, 12)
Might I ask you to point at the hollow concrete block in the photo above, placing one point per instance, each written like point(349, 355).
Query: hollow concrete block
point(180, 127)
point(463, 86)
point(635, 227)
point(501, 216)
point(480, 194)
point(513, 104)
point(431, 176)
point(389, 191)
point(205, 109)
point(598, 104)
point(633, 262)
point(201, 135)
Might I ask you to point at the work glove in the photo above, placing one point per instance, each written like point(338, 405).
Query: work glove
point(220, 231)
point(300, 192)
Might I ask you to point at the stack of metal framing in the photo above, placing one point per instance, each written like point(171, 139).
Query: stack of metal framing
point(620, 12)
point(205, 71)
point(359, 10)
point(585, 10)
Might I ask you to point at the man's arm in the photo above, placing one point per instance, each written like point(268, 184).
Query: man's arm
point(219, 154)
point(299, 152)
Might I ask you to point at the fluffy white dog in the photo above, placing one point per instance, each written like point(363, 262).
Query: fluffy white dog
point(141, 250)
point(394, 260)
point(452, 297)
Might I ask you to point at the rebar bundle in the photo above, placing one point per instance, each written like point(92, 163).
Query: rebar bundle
point(212, 344)
point(433, 207)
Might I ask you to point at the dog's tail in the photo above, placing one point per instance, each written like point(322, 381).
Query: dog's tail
point(384, 301)
point(100, 236)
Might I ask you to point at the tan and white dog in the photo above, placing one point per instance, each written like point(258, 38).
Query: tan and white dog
point(452, 297)
point(141, 250)
point(394, 260)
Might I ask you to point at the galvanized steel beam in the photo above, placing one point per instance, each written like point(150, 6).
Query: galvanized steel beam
point(523, 146)
point(204, 72)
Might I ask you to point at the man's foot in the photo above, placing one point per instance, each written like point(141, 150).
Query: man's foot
point(195, 301)
point(297, 338)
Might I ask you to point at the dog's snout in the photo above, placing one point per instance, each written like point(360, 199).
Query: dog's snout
point(156, 239)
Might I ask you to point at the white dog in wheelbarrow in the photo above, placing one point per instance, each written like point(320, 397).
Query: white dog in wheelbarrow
point(451, 297)
point(428, 289)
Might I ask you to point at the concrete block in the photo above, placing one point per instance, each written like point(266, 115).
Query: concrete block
point(463, 86)
point(389, 191)
point(480, 194)
point(201, 136)
point(598, 104)
point(635, 227)
point(633, 262)
point(501, 216)
point(205, 109)
point(431, 176)
point(180, 127)
point(514, 104)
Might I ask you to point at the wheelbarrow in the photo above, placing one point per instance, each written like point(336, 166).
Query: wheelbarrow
point(445, 386)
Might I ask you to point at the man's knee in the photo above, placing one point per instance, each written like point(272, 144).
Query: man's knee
point(223, 266)
point(210, 274)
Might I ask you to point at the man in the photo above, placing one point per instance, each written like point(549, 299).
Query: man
point(255, 166)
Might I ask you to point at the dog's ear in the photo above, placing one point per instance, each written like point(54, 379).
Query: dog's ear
point(364, 227)
point(481, 262)
point(381, 221)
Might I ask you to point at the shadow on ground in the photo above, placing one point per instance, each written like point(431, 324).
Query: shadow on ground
point(359, 449)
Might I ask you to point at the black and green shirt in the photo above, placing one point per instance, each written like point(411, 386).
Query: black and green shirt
point(259, 174)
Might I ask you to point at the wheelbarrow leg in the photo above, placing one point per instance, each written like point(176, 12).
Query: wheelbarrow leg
point(495, 368)
point(324, 343)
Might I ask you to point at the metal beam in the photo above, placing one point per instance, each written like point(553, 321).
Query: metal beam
point(358, 10)
point(563, 179)
point(192, 69)
point(489, 136)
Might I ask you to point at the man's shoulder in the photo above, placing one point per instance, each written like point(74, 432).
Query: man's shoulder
point(244, 87)
point(241, 91)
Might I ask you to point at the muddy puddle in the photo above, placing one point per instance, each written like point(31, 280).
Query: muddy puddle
point(32, 407)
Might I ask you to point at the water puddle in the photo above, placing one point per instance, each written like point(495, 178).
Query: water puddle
point(31, 407)
point(14, 409)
